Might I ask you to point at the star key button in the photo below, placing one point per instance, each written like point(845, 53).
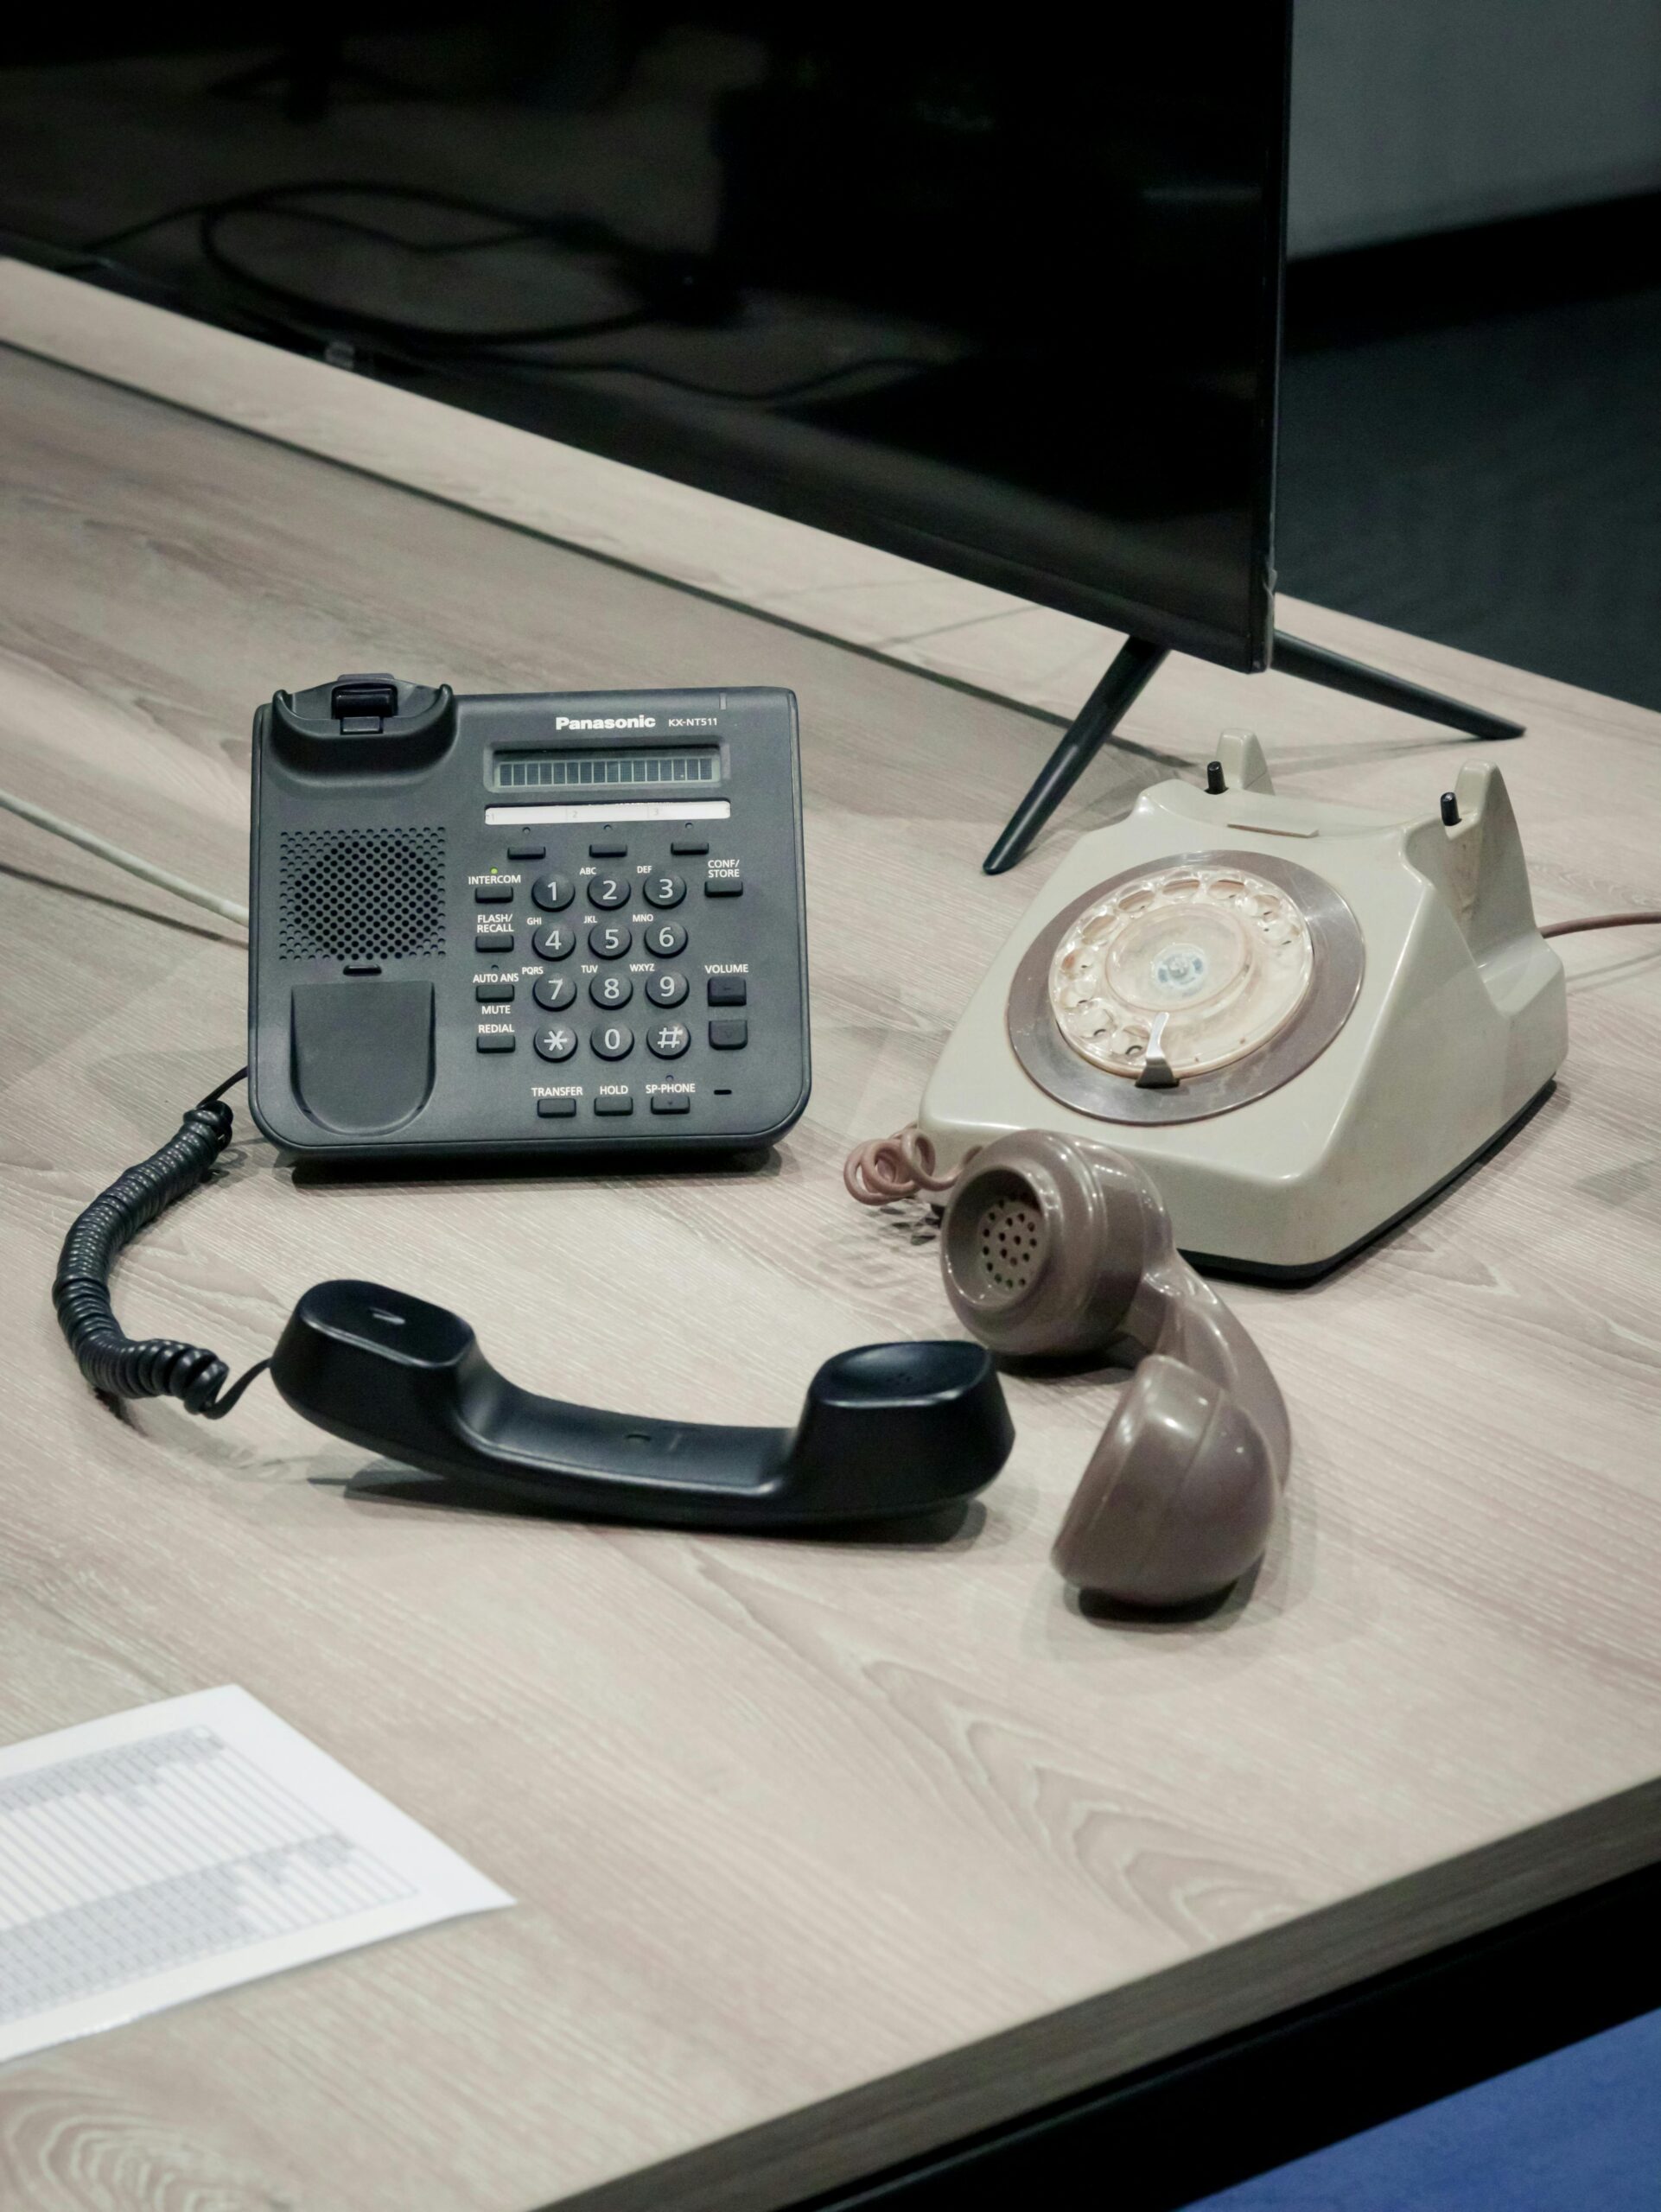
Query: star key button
point(555, 1044)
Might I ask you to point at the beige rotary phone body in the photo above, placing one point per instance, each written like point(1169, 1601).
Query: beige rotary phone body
point(1300, 1018)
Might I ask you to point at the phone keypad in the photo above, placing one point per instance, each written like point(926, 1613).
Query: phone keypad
point(672, 1045)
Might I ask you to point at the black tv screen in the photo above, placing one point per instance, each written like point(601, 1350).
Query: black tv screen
point(998, 290)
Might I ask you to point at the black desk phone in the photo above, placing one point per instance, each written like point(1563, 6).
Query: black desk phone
point(531, 926)
point(524, 923)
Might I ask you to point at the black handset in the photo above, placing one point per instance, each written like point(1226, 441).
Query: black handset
point(887, 1430)
point(533, 923)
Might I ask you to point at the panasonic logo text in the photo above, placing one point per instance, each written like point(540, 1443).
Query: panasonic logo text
point(605, 721)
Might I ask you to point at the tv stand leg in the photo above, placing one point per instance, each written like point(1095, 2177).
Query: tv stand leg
point(1131, 667)
point(1317, 665)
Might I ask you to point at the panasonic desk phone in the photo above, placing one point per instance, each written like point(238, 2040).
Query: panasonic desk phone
point(1245, 1027)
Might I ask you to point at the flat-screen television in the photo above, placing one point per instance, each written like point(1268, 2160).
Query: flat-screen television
point(1003, 289)
point(1000, 292)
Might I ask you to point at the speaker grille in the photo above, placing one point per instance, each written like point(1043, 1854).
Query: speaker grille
point(361, 894)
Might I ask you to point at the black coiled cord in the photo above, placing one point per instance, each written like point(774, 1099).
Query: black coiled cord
point(149, 1367)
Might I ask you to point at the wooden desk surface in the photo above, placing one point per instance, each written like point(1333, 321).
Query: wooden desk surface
point(826, 1852)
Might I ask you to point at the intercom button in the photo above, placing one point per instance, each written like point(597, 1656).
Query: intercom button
point(666, 890)
point(557, 1043)
point(614, 1102)
point(493, 941)
point(609, 890)
point(668, 1040)
point(614, 850)
point(613, 988)
point(729, 1036)
point(553, 892)
point(730, 990)
point(554, 992)
point(613, 1041)
point(500, 894)
point(553, 941)
point(611, 940)
point(521, 850)
point(555, 1110)
point(496, 1040)
point(723, 887)
point(671, 1102)
point(493, 994)
point(666, 988)
point(684, 848)
point(665, 939)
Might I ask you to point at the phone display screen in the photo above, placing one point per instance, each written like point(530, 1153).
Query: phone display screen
point(613, 773)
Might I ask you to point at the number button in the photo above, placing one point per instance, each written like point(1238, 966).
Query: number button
point(669, 1039)
point(613, 1042)
point(666, 988)
point(611, 940)
point(554, 992)
point(555, 1044)
point(666, 890)
point(665, 939)
point(553, 941)
point(553, 892)
point(614, 989)
point(609, 890)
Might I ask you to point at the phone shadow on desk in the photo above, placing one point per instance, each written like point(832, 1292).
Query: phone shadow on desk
point(952, 1527)
point(669, 1165)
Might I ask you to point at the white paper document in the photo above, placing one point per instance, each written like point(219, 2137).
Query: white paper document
point(186, 1847)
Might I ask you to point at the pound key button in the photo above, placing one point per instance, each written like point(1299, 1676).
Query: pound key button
point(553, 892)
point(729, 1036)
point(555, 1044)
point(668, 1040)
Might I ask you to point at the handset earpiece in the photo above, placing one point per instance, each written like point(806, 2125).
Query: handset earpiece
point(1054, 1245)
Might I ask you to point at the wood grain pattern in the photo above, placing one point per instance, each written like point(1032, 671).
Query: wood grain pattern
point(825, 1851)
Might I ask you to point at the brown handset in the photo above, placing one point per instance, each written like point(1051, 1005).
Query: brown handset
point(1055, 1246)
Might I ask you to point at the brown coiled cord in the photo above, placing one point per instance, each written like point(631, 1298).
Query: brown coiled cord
point(884, 1168)
point(1638, 916)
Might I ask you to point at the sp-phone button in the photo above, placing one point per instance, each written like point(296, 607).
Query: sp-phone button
point(671, 1102)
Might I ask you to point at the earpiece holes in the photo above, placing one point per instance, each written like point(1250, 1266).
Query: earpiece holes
point(1008, 1241)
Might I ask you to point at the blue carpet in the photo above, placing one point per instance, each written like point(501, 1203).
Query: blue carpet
point(1579, 2131)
